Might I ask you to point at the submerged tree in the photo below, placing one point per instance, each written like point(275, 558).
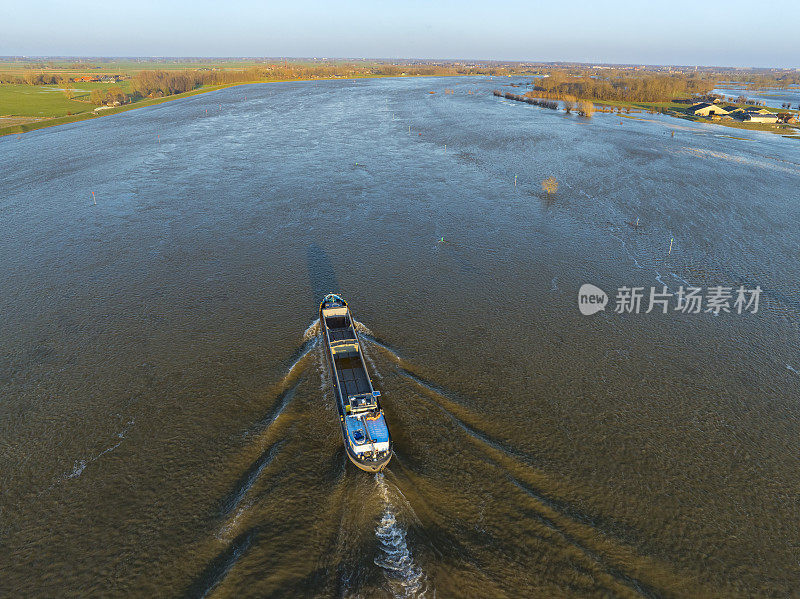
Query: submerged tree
point(550, 185)
point(585, 108)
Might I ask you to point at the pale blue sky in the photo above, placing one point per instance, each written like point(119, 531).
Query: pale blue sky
point(728, 33)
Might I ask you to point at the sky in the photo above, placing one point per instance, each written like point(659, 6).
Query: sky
point(712, 33)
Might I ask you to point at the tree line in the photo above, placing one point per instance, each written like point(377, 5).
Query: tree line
point(582, 107)
point(622, 86)
point(32, 78)
point(527, 99)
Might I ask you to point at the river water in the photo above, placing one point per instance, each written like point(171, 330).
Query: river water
point(166, 421)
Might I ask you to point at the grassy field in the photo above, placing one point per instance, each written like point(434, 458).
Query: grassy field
point(48, 101)
point(36, 101)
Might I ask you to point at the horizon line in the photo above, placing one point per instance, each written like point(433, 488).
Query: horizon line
point(17, 57)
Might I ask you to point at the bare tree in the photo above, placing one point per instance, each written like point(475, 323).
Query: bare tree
point(96, 97)
point(66, 85)
point(550, 185)
point(585, 108)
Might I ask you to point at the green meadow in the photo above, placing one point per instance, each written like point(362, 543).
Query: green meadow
point(47, 101)
point(37, 101)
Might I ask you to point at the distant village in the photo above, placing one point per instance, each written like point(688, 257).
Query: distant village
point(105, 78)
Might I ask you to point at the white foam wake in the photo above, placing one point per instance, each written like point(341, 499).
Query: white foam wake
point(362, 328)
point(229, 528)
point(375, 370)
point(312, 331)
point(405, 578)
point(290, 371)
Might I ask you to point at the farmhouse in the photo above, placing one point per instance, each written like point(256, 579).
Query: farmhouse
point(758, 117)
point(706, 109)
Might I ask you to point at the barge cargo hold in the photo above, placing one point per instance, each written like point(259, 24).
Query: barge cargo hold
point(366, 436)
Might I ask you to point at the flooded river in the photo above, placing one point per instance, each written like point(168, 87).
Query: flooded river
point(167, 426)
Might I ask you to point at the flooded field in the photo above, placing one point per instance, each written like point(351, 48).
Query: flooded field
point(166, 421)
point(774, 97)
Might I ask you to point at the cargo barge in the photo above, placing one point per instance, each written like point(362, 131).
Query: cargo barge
point(366, 436)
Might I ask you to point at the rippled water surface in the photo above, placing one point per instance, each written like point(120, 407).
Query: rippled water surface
point(166, 421)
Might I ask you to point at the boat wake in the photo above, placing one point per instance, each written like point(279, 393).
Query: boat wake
point(405, 579)
point(372, 364)
point(362, 328)
point(312, 331)
point(299, 356)
point(233, 508)
point(576, 528)
point(80, 465)
point(384, 346)
point(216, 571)
point(243, 485)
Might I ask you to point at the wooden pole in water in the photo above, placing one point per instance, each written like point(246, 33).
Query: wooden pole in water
point(94, 199)
point(671, 239)
point(515, 180)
